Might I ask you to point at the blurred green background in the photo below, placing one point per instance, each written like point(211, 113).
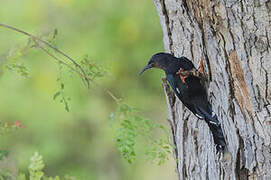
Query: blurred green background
point(121, 36)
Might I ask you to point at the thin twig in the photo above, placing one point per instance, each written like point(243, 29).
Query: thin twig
point(66, 64)
point(49, 45)
point(81, 71)
point(117, 100)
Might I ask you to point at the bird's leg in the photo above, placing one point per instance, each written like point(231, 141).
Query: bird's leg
point(198, 73)
point(183, 74)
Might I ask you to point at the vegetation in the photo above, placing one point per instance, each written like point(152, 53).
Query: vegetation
point(84, 133)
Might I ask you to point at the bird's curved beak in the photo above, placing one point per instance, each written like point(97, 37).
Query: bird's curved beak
point(148, 66)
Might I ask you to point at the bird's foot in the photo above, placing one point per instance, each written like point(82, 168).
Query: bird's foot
point(183, 74)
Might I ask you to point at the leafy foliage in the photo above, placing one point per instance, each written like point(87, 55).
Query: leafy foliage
point(36, 166)
point(159, 151)
point(19, 68)
point(10, 59)
point(92, 68)
point(131, 126)
point(35, 170)
point(61, 92)
point(63, 98)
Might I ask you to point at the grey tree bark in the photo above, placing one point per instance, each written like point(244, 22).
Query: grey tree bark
point(234, 38)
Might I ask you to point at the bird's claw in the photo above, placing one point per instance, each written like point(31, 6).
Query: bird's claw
point(182, 74)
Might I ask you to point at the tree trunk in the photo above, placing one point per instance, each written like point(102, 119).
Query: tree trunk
point(234, 38)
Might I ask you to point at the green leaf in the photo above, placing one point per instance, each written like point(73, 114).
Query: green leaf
point(36, 166)
point(132, 125)
point(35, 171)
point(67, 108)
point(66, 105)
point(56, 95)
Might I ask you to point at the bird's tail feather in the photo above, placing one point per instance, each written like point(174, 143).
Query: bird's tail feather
point(218, 135)
point(215, 127)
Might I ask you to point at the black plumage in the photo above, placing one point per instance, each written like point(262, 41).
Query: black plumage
point(190, 89)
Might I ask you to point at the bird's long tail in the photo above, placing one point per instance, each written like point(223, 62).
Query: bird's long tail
point(215, 127)
point(217, 132)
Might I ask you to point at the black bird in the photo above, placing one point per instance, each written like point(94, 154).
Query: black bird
point(187, 83)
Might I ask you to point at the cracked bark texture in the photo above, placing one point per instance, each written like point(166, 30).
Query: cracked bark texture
point(234, 38)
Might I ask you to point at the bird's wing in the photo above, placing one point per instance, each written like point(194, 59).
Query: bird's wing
point(214, 125)
point(178, 87)
point(197, 105)
point(185, 63)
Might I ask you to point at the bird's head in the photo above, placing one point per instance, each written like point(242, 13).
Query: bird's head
point(159, 60)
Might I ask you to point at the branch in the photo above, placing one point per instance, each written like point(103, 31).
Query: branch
point(80, 72)
point(37, 39)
